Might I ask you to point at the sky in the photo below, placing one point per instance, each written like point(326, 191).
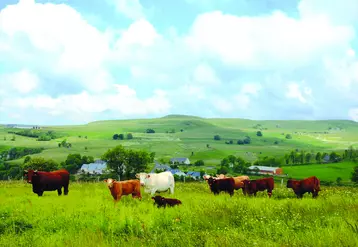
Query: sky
point(77, 61)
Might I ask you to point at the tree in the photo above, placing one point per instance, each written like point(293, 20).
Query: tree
point(354, 176)
point(288, 136)
point(240, 142)
point(308, 157)
point(59, 145)
point(115, 137)
point(319, 157)
point(339, 181)
point(129, 136)
point(150, 131)
point(247, 140)
point(217, 138)
point(199, 163)
point(39, 163)
point(259, 133)
point(120, 136)
point(27, 159)
point(127, 162)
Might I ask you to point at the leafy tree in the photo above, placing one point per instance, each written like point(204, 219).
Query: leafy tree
point(223, 170)
point(308, 157)
point(39, 163)
point(288, 136)
point(27, 159)
point(199, 163)
point(259, 133)
point(120, 136)
point(115, 137)
point(127, 162)
point(354, 176)
point(59, 145)
point(217, 138)
point(339, 181)
point(150, 131)
point(334, 157)
point(319, 157)
point(129, 136)
point(247, 140)
point(275, 142)
point(240, 142)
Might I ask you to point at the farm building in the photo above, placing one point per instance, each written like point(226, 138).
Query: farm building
point(193, 174)
point(97, 167)
point(266, 170)
point(180, 161)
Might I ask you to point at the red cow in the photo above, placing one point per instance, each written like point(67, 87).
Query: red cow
point(123, 188)
point(163, 202)
point(310, 185)
point(48, 181)
point(253, 186)
point(224, 184)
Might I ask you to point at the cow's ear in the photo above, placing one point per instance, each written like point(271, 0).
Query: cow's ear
point(105, 180)
point(137, 176)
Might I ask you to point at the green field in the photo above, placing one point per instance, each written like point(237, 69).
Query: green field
point(196, 133)
point(88, 217)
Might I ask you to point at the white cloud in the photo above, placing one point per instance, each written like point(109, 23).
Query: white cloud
point(205, 75)
point(23, 81)
point(294, 92)
point(132, 9)
point(123, 101)
point(63, 41)
point(353, 114)
point(222, 105)
point(251, 42)
point(251, 88)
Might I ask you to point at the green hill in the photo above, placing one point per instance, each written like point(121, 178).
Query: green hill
point(180, 135)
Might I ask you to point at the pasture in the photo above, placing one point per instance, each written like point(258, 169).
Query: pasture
point(88, 217)
point(193, 134)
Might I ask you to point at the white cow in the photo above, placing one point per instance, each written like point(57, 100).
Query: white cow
point(156, 182)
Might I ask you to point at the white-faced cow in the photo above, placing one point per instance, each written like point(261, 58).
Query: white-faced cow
point(156, 182)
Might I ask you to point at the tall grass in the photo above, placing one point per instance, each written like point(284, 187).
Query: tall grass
point(89, 217)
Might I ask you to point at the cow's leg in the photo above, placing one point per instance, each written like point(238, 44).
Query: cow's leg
point(171, 189)
point(65, 189)
point(152, 192)
point(59, 191)
point(40, 192)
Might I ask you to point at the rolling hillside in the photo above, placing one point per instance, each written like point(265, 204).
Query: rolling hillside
point(193, 134)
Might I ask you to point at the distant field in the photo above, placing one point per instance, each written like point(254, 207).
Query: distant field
point(196, 134)
point(87, 217)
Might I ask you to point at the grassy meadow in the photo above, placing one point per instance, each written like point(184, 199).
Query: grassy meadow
point(193, 134)
point(88, 217)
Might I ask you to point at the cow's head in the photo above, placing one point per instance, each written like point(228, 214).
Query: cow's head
point(142, 177)
point(247, 185)
point(206, 177)
point(289, 183)
point(211, 181)
point(30, 174)
point(109, 182)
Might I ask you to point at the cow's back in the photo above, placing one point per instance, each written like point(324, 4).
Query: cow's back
point(161, 180)
point(130, 186)
point(311, 183)
point(239, 181)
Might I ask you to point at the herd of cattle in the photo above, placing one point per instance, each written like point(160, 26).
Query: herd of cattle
point(159, 182)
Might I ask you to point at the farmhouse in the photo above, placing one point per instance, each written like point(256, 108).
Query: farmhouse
point(180, 161)
point(98, 167)
point(266, 170)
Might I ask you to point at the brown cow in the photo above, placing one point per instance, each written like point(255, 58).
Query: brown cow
point(253, 186)
point(48, 181)
point(123, 188)
point(310, 185)
point(163, 202)
point(239, 183)
point(218, 185)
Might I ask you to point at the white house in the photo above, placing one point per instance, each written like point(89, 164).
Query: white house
point(98, 167)
point(180, 161)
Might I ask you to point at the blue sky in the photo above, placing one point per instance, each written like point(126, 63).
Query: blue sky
point(76, 61)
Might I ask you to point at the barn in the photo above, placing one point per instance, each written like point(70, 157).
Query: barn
point(266, 170)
